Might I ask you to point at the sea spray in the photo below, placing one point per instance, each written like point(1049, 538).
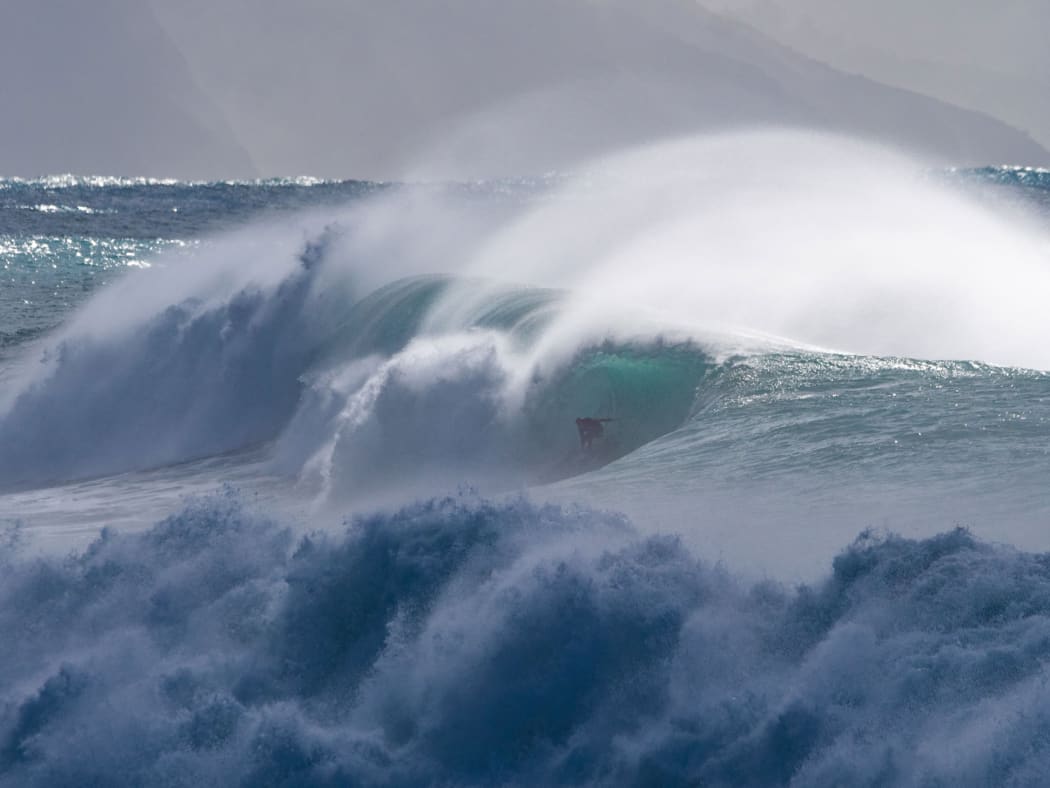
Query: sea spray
point(196, 379)
point(469, 641)
point(818, 240)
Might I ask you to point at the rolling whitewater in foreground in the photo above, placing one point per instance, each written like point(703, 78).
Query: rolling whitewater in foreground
point(292, 494)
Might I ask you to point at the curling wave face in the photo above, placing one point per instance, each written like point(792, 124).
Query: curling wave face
point(353, 390)
point(681, 301)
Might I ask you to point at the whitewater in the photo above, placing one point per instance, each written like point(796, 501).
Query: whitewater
point(292, 493)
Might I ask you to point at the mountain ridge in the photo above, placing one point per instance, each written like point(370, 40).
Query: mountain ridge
point(246, 88)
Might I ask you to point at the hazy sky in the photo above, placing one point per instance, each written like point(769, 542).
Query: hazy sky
point(389, 88)
point(99, 87)
point(989, 56)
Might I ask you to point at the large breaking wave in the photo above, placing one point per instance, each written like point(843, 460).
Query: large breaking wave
point(360, 393)
point(429, 337)
point(468, 641)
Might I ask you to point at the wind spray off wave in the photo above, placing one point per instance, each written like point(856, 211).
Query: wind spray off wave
point(814, 240)
point(712, 248)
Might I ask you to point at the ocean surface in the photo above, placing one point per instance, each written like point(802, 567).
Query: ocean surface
point(291, 491)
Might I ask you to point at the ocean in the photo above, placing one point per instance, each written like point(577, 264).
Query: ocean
point(292, 492)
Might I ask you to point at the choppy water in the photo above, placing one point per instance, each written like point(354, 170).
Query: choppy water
point(351, 537)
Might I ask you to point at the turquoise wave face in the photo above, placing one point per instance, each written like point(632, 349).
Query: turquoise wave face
point(647, 390)
point(470, 403)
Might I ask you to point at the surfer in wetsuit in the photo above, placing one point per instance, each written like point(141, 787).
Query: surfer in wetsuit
point(589, 429)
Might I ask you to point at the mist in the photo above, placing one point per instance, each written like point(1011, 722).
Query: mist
point(986, 57)
point(409, 89)
point(815, 240)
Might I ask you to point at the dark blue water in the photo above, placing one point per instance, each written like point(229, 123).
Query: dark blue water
point(149, 209)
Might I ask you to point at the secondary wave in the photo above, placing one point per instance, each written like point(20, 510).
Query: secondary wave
point(468, 641)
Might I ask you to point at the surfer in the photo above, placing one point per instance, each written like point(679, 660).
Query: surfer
point(589, 429)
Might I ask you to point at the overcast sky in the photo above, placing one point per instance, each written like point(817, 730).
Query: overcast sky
point(463, 88)
point(989, 56)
